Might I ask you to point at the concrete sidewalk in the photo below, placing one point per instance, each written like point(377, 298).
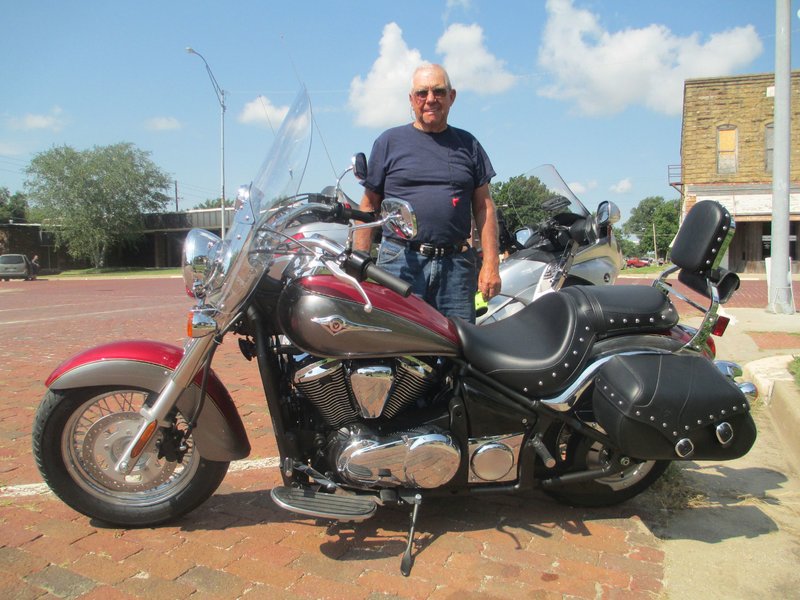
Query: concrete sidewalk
point(740, 536)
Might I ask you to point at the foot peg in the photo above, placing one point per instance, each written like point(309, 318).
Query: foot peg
point(305, 501)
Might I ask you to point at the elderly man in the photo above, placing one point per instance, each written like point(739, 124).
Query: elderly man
point(444, 173)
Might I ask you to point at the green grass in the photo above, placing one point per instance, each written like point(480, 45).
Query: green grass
point(117, 273)
point(794, 369)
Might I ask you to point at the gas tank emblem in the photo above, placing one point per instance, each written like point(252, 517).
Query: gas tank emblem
point(336, 324)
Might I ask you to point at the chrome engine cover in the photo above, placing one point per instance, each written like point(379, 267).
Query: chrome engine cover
point(417, 459)
point(495, 458)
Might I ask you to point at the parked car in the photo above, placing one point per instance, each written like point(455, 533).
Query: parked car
point(15, 266)
point(637, 262)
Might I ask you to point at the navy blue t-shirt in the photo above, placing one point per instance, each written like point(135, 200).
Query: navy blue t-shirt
point(436, 173)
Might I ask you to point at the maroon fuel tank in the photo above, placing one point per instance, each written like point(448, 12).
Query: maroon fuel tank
point(326, 317)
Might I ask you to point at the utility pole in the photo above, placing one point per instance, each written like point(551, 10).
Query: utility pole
point(655, 245)
point(176, 196)
point(779, 286)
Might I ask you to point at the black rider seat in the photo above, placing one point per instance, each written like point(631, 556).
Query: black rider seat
point(540, 349)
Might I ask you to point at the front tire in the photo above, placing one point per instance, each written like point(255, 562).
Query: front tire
point(78, 436)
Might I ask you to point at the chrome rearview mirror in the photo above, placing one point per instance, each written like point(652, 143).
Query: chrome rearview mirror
point(400, 217)
point(199, 250)
point(607, 214)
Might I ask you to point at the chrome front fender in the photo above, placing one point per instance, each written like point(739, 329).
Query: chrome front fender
point(220, 434)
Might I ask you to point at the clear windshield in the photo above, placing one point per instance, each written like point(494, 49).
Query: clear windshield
point(259, 220)
point(558, 197)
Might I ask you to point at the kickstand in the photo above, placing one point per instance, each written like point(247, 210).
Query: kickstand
point(408, 561)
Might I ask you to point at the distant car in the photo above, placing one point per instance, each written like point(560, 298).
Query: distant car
point(15, 266)
point(637, 262)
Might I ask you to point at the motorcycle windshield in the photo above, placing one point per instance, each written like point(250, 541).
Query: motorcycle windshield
point(558, 197)
point(246, 252)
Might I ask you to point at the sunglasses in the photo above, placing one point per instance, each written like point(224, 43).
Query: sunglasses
point(422, 94)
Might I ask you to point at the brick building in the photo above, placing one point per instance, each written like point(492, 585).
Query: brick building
point(726, 155)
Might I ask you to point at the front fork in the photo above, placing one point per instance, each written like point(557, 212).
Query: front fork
point(156, 415)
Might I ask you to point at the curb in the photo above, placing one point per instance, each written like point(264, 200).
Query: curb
point(780, 395)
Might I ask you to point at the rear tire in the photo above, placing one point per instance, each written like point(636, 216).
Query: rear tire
point(576, 452)
point(78, 436)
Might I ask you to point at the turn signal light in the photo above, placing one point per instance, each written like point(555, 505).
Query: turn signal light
point(144, 439)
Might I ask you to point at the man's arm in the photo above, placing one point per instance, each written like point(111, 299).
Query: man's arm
point(370, 202)
point(486, 220)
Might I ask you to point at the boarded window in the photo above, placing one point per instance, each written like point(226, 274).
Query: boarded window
point(769, 146)
point(726, 149)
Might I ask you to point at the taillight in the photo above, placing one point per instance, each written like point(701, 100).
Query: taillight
point(720, 326)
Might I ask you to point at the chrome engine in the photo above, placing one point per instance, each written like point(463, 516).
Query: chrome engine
point(351, 395)
point(346, 392)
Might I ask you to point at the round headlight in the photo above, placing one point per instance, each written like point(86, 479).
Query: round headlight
point(199, 250)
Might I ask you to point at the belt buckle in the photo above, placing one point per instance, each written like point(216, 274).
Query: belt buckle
point(428, 250)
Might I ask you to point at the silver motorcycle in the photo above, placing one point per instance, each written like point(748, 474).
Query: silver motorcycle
point(546, 257)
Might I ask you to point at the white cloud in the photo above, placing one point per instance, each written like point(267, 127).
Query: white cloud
point(579, 188)
point(470, 64)
point(604, 72)
point(263, 112)
point(623, 186)
point(162, 124)
point(54, 121)
point(381, 99)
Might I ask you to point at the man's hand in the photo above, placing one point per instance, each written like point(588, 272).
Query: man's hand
point(489, 283)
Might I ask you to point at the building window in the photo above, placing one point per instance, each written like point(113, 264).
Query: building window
point(769, 146)
point(726, 149)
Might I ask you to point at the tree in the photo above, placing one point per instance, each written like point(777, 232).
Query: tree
point(628, 247)
point(650, 212)
point(214, 203)
point(13, 207)
point(95, 198)
point(520, 198)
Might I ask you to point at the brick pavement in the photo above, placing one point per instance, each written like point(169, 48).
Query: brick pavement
point(238, 544)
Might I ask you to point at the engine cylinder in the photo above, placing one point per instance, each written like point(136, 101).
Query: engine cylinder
point(324, 382)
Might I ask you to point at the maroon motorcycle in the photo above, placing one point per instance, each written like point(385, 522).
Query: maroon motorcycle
point(378, 399)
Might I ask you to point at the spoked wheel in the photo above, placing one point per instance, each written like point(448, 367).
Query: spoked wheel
point(578, 453)
point(79, 436)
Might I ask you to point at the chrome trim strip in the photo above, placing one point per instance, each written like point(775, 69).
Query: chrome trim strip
point(566, 399)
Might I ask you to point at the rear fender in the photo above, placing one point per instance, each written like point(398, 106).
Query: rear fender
point(220, 433)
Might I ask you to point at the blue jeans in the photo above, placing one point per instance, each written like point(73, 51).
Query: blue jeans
point(448, 283)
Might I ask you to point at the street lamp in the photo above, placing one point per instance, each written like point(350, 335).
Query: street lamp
point(221, 98)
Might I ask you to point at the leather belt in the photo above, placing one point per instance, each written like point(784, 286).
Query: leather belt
point(433, 250)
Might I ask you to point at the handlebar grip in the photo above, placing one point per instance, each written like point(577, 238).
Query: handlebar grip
point(387, 280)
point(343, 213)
point(360, 215)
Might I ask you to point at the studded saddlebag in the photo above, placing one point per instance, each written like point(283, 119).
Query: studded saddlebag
point(666, 406)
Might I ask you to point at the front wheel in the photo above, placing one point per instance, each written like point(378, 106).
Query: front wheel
point(576, 452)
point(78, 438)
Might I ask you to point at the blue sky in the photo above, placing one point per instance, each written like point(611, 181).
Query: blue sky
point(591, 86)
